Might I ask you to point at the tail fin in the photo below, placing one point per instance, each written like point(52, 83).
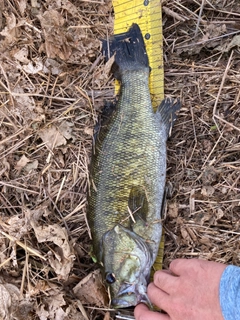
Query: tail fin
point(129, 50)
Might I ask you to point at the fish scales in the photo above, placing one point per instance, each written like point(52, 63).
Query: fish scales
point(132, 155)
point(128, 172)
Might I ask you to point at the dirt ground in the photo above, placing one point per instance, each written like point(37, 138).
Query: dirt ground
point(53, 84)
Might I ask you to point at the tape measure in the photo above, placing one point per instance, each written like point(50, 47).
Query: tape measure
point(148, 15)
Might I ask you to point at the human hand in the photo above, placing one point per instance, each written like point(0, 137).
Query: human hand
point(189, 290)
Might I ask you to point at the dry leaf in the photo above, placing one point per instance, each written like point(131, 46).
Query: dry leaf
point(88, 131)
point(9, 300)
point(66, 129)
point(227, 46)
point(33, 67)
point(207, 191)
point(67, 5)
point(52, 66)
point(31, 166)
point(4, 167)
point(91, 290)
point(16, 226)
point(10, 32)
point(21, 55)
point(73, 313)
point(52, 308)
point(25, 106)
point(61, 259)
point(219, 213)
point(5, 303)
point(52, 137)
point(21, 163)
point(108, 64)
point(3, 251)
point(184, 233)
point(22, 4)
point(35, 4)
point(56, 37)
point(173, 210)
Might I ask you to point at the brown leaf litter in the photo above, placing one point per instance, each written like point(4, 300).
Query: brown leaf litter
point(53, 83)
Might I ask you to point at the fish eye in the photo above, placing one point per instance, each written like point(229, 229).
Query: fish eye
point(110, 277)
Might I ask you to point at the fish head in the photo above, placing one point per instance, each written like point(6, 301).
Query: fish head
point(127, 261)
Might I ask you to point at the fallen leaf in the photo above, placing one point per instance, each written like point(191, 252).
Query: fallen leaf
point(25, 106)
point(207, 191)
point(10, 31)
point(52, 66)
point(53, 308)
point(73, 313)
point(66, 129)
point(16, 226)
point(67, 5)
point(52, 137)
point(173, 210)
point(33, 67)
point(3, 252)
point(21, 163)
point(22, 4)
point(21, 55)
point(9, 300)
point(4, 167)
point(219, 213)
point(91, 290)
point(23, 310)
point(56, 36)
point(31, 166)
point(108, 64)
point(88, 131)
point(235, 42)
point(61, 258)
point(5, 303)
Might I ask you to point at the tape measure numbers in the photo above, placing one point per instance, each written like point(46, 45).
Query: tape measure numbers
point(148, 15)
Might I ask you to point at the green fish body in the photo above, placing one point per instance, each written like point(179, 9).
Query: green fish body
point(127, 177)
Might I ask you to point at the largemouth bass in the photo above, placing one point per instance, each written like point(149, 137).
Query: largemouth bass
point(127, 175)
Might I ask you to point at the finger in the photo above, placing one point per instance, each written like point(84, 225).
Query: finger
point(141, 312)
point(158, 297)
point(167, 271)
point(181, 266)
point(186, 266)
point(165, 281)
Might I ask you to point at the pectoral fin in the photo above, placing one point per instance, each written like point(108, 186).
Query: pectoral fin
point(104, 122)
point(138, 204)
point(167, 114)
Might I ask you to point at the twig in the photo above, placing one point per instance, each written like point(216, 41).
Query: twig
point(199, 18)
point(228, 123)
point(22, 245)
point(222, 83)
point(17, 187)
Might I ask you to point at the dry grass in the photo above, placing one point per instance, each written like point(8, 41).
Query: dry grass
point(204, 152)
point(53, 84)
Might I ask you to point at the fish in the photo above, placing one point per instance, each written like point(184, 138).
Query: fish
point(128, 173)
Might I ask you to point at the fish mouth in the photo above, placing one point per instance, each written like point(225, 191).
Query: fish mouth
point(130, 295)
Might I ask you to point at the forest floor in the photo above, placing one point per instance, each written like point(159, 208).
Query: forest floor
point(53, 84)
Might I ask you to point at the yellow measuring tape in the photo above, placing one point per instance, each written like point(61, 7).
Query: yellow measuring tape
point(148, 15)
